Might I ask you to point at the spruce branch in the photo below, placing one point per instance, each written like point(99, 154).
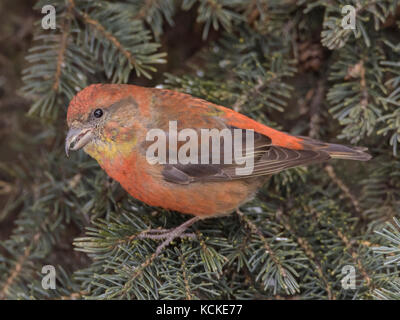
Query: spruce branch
point(293, 239)
point(19, 264)
point(356, 258)
point(331, 172)
point(131, 40)
point(215, 13)
point(356, 97)
point(284, 277)
point(309, 252)
point(334, 36)
point(63, 45)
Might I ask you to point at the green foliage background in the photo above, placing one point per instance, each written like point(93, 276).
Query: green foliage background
point(288, 64)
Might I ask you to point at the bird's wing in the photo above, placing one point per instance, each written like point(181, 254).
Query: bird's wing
point(273, 150)
point(264, 159)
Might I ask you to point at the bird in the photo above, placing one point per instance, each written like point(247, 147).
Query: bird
point(117, 125)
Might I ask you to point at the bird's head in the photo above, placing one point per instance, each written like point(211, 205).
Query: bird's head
point(100, 116)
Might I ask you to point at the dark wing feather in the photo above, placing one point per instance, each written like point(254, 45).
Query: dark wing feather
point(268, 159)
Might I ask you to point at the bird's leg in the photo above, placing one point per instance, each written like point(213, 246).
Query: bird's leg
point(169, 235)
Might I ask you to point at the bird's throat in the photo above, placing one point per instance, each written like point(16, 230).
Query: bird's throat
point(109, 150)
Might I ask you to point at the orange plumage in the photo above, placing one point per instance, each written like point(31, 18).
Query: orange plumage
point(110, 122)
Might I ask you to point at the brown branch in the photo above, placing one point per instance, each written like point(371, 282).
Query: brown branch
point(144, 10)
point(305, 245)
point(358, 71)
point(97, 25)
point(253, 12)
point(356, 258)
point(331, 172)
point(139, 270)
point(5, 187)
point(63, 45)
point(74, 296)
point(173, 234)
point(243, 98)
point(185, 279)
point(315, 109)
point(18, 267)
point(267, 247)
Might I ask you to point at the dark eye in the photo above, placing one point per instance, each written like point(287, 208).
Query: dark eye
point(98, 113)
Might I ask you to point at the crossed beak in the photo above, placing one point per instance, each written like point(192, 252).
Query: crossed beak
point(77, 139)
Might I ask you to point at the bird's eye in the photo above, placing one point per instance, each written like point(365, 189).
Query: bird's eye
point(98, 113)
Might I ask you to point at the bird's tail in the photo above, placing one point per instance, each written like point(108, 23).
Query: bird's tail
point(337, 151)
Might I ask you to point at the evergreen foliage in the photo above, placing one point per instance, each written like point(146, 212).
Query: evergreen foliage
point(288, 64)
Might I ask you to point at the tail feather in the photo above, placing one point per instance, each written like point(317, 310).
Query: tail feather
point(337, 151)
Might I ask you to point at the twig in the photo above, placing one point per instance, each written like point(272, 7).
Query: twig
point(267, 247)
point(356, 259)
point(243, 98)
point(310, 254)
point(18, 267)
point(97, 25)
point(315, 109)
point(63, 45)
point(169, 236)
point(331, 172)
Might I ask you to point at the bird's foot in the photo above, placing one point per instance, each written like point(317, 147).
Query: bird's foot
point(169, 235)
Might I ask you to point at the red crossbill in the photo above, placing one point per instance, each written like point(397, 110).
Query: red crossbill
point(111, 122)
